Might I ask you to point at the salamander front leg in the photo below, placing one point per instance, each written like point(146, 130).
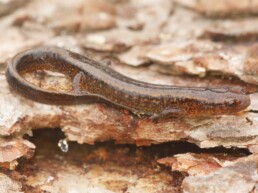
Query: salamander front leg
point(167, 113)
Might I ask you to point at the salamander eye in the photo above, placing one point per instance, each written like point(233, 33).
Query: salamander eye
point(231, 101)
point(237, 90)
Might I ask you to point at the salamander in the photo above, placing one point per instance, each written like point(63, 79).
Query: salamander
point(94, 82)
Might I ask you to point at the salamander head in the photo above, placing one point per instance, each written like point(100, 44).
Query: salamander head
point(224, 102)
point(234, 100)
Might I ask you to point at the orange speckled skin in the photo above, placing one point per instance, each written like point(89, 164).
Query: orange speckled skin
point(94, 82)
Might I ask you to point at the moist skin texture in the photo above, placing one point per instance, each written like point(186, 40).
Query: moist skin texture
point(93, 82)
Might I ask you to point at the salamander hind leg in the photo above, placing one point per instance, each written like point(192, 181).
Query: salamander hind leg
point(77, 83)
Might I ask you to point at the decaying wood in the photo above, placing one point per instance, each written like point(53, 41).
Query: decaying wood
point(239, 177)
point(221, 8)
point(163, 42)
